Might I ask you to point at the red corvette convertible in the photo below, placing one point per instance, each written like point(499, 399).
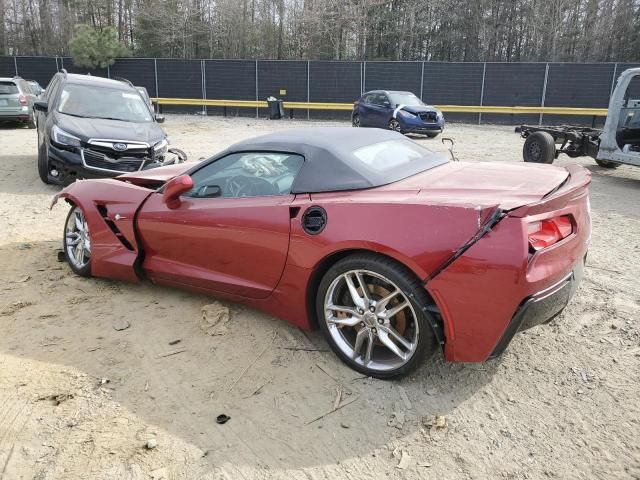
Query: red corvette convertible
point(391, 250)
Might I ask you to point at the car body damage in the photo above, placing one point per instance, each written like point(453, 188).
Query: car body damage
point(110, 207)
point(463, 231)
point(511, 272)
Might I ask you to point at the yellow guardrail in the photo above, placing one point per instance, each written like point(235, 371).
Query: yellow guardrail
point(598, 112)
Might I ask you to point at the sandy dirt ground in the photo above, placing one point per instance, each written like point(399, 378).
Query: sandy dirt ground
point(80, 399)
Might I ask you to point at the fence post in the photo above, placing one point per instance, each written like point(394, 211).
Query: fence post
point(257, 111)
point(363, 77)
point(15, 64)
point(422, 82)
point(308, 97)
point(484, 72)
point(544, 93)
point(615, 77)
point(61, 63)
point(203, 79)
point(108, 71)
point(155, 75)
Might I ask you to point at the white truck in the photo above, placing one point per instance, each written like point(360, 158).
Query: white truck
point(617, 143)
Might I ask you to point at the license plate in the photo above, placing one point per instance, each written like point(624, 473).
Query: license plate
point(4, 102)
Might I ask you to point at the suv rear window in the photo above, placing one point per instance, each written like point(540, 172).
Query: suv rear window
point(8, 88)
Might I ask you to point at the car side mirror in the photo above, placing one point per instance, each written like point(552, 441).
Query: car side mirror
point(174, 188)
point(160, 118)
point(41, 106)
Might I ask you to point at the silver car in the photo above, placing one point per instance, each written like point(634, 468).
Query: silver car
point(16, 101)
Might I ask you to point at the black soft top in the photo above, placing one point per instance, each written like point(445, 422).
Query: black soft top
point(330, 163)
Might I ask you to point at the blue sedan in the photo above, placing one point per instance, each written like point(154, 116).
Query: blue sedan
point(399, 111)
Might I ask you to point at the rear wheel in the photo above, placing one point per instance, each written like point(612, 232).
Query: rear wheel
point(77, 242)
point(395, 125)
point(433, 134)
point(607, 164)
point(355, 121)
point(371, 311)
point(31, 122)
point(540, 147)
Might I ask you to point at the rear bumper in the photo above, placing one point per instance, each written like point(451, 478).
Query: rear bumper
point(541, 307)
point(14, 117)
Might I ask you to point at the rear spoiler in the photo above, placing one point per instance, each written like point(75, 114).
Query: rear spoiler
point(574, 187)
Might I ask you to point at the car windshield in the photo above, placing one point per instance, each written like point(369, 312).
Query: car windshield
point(405, 98)
point(90, 101)
point(8, 88)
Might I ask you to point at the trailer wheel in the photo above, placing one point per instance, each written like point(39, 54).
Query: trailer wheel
point(607, 164)
point(540, 147)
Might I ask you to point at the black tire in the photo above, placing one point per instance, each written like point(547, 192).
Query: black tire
point(433, 135)
point(540, 147)
point(409, 285)
point(31, 122)
point(43, 163)
point(395, 125)
point(607, 164)
point(84, 271)
point(355, 121)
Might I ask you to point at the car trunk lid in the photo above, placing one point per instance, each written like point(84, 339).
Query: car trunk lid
point(505, 185)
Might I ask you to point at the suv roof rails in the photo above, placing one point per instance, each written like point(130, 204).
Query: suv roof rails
point(121, 79)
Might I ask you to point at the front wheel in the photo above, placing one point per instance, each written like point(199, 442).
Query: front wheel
point(370, 309)
point(395, 125)
point(43, 163)
point(355, 121)
point(540, 147)
point(433, 134)
point(607, 164)
point(77, 242)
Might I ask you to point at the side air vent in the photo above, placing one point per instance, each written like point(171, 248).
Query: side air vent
point(112, 226)
point(314, 220)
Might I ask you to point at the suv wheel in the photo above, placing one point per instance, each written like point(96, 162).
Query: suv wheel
point(31, 122)
point(43, 163)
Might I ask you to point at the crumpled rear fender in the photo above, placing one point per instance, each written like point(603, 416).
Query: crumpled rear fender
point(109, 207)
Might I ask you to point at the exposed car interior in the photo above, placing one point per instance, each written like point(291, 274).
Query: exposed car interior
point(247, 175)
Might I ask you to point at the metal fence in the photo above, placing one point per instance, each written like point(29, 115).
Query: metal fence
point(438, 83)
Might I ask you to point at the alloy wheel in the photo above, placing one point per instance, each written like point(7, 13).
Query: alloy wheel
point(77, 239)
point(395, 125)
point(371, 320)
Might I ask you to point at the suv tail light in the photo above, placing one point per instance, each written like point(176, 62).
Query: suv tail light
point(544, 233)
point(23, 100)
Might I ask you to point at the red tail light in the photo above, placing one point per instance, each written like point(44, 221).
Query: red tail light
point(23, 100)
point(544, 233)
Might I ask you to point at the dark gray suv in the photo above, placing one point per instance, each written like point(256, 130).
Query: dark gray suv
point(91, 127)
